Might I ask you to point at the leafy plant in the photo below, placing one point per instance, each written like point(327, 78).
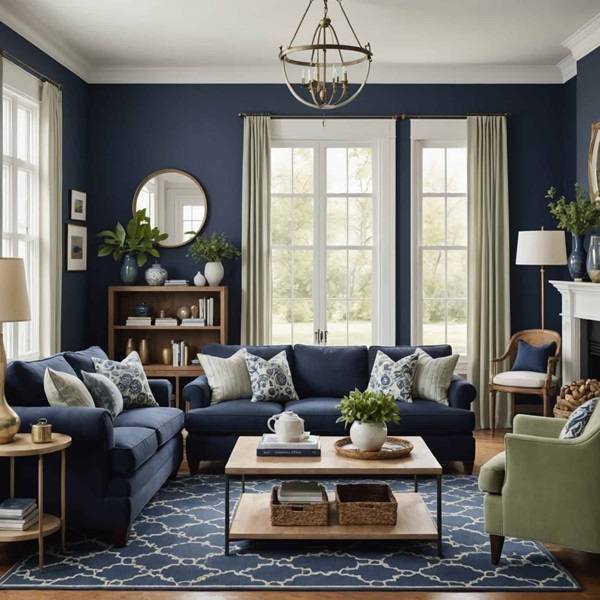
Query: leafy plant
point(579, 216)
point(368, 407)
point(212, 249)
point(140, 239)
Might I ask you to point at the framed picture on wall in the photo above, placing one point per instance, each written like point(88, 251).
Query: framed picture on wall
point(78, 205)
point(76, 247)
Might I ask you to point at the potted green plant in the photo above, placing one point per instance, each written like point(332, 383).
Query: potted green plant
point(213, 250)
point(578, 217)
point(132, 244)
point(368, 412)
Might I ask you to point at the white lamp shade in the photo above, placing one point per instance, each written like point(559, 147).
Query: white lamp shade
point(541, 248)
point(14, 300)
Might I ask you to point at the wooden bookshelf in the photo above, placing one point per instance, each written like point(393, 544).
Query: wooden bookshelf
point(121, 303)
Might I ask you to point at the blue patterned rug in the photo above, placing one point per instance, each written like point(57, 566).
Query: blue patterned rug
point(177, 543)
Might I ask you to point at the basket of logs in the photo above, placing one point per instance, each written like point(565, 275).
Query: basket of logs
point(573, 395)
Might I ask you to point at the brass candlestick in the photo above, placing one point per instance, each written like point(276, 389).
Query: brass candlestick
point(9, 419)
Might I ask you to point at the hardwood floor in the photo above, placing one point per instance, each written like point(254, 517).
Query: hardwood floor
point(585, 568)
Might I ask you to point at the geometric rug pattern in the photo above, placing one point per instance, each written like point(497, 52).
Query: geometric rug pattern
point(177, 544)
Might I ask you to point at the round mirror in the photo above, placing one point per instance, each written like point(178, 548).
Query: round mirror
point(594, 161)
point(175, 203)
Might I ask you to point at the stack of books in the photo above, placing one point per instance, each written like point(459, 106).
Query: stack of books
point(18, 514)
point(193, 322)
point(300, 492)
point(270, 445)
point(175, 282)
point(206, 308)
point(138, 321)
point(166, 322)
point(180, 353)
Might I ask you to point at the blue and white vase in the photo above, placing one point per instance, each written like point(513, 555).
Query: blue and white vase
point(129, 269)
point(577, 265)
point(156, 275)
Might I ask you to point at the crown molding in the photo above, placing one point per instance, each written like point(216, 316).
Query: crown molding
point(567, 67)
point(59, 51)
point(380, 73)
point(584, 40)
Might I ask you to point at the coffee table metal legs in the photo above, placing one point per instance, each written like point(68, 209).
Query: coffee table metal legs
point(226, 515)
point(439, 514)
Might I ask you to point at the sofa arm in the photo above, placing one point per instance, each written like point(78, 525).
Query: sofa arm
point(197, 393)
point(461, 393)
point(162, 390)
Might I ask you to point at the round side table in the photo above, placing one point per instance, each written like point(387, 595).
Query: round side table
point(47, 524)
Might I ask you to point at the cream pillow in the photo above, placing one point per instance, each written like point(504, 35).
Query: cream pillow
point(228, 378)
point(433, 376)
point(63, 389)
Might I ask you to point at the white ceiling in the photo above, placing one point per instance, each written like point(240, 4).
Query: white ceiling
point(238, 40)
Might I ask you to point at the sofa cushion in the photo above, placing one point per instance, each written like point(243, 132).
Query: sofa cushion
point(398, 352)
point(433, 376)
point(104, 392)
point(266, 352)
point(271, 380)
point(332, 371)
point(166, 422)
point(63, 389)
point(393, 377)
point(25, 380)
point(133, 447)
point(228, 378)
point(232, 417)
point(492, 474)
point(420, 417)
point(82, 360)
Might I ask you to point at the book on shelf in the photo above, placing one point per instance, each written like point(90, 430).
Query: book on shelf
point(270, 441)
point(166, 322)
point(180, 353)
point(206, 310)
point(176, 282)
point(193, 322)
point(16, 507)
point(138, 321)
point(300, 492)
point(20, 524)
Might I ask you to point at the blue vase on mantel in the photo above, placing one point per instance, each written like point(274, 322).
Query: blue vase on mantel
point(577, 258)
point(129, 269)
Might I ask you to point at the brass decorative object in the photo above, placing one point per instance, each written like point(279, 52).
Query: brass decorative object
point(167, 356)
point(324, 62)
point(144, 352)
point(41, 432)
point(130, 347)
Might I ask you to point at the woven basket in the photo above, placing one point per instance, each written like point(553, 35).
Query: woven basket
point(366, 504)
point(299, 515)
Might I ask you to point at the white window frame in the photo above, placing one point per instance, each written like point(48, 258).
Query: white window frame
point(381, 136)
point(428, 133)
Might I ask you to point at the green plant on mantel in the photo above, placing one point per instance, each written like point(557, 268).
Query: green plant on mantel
point(579, 216)
point(368, 407)
point(139, 239)
point(212, 249)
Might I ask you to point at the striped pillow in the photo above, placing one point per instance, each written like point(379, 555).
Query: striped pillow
point(228, 378)
point(433, 377)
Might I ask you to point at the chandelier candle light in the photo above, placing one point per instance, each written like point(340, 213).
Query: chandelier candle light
point(325, 83)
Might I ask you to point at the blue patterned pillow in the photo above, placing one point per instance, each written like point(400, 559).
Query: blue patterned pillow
point(575, 426)
point(393, 377)
point(271, 380)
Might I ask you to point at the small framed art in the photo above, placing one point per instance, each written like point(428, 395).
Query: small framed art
point(76, 247)
point(78, 205)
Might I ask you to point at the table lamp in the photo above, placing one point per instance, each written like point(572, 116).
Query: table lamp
point(541, 248)
point(14, 306)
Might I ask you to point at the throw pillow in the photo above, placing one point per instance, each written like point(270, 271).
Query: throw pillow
point(576, 423)
point(63, 389)
point(228, 378)
point(104, 392)
point(393, 377)
point(271, 380)
point(129, 377)
point(533, 358)
point(433, 376)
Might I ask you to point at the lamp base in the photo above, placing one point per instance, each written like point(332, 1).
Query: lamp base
point(9, 419)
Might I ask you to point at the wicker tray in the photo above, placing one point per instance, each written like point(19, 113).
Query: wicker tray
point(340, 448)
point(299, 515)
point(366, 504)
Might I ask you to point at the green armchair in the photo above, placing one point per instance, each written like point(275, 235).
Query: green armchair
point(544, 488)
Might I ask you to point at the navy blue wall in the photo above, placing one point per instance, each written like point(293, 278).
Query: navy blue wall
point(74, 305)
point(570, 133)
point(136, 129)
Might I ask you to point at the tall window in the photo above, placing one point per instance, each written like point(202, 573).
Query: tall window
point(20, 209)
point(328, 242)
point(440, 270)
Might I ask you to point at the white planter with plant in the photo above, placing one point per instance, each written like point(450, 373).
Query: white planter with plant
point(368, 412)
point(213, 250)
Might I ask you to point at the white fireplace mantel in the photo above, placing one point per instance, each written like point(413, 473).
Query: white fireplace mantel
point(580, 301)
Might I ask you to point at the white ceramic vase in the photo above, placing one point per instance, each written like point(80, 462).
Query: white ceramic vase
point(199, 279)
point(368, 437)
point(214, 273)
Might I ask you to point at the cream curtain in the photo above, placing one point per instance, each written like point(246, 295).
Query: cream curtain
point(256, 232)
point(489, 260)
point(50, 218)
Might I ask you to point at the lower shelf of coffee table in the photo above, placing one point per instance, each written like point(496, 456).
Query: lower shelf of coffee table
point(252, 520)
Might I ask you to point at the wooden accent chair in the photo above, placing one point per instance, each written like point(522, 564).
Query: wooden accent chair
point(525, 382)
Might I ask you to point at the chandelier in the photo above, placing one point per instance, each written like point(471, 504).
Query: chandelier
point(320, 69)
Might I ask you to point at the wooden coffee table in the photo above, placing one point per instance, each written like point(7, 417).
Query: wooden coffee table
point(251, 515)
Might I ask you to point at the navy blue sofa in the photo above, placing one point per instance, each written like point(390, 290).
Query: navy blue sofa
point(322, 376)
point(113, 467)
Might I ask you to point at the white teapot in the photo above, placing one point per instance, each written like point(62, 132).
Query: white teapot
point(287, 426)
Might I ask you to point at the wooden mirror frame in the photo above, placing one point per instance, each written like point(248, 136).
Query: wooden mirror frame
point(593, 156)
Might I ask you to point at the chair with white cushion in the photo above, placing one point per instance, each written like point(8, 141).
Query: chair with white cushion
point(525, 382)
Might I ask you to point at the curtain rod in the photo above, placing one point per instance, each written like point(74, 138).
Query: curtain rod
point(17, 61)
point(402, 116)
